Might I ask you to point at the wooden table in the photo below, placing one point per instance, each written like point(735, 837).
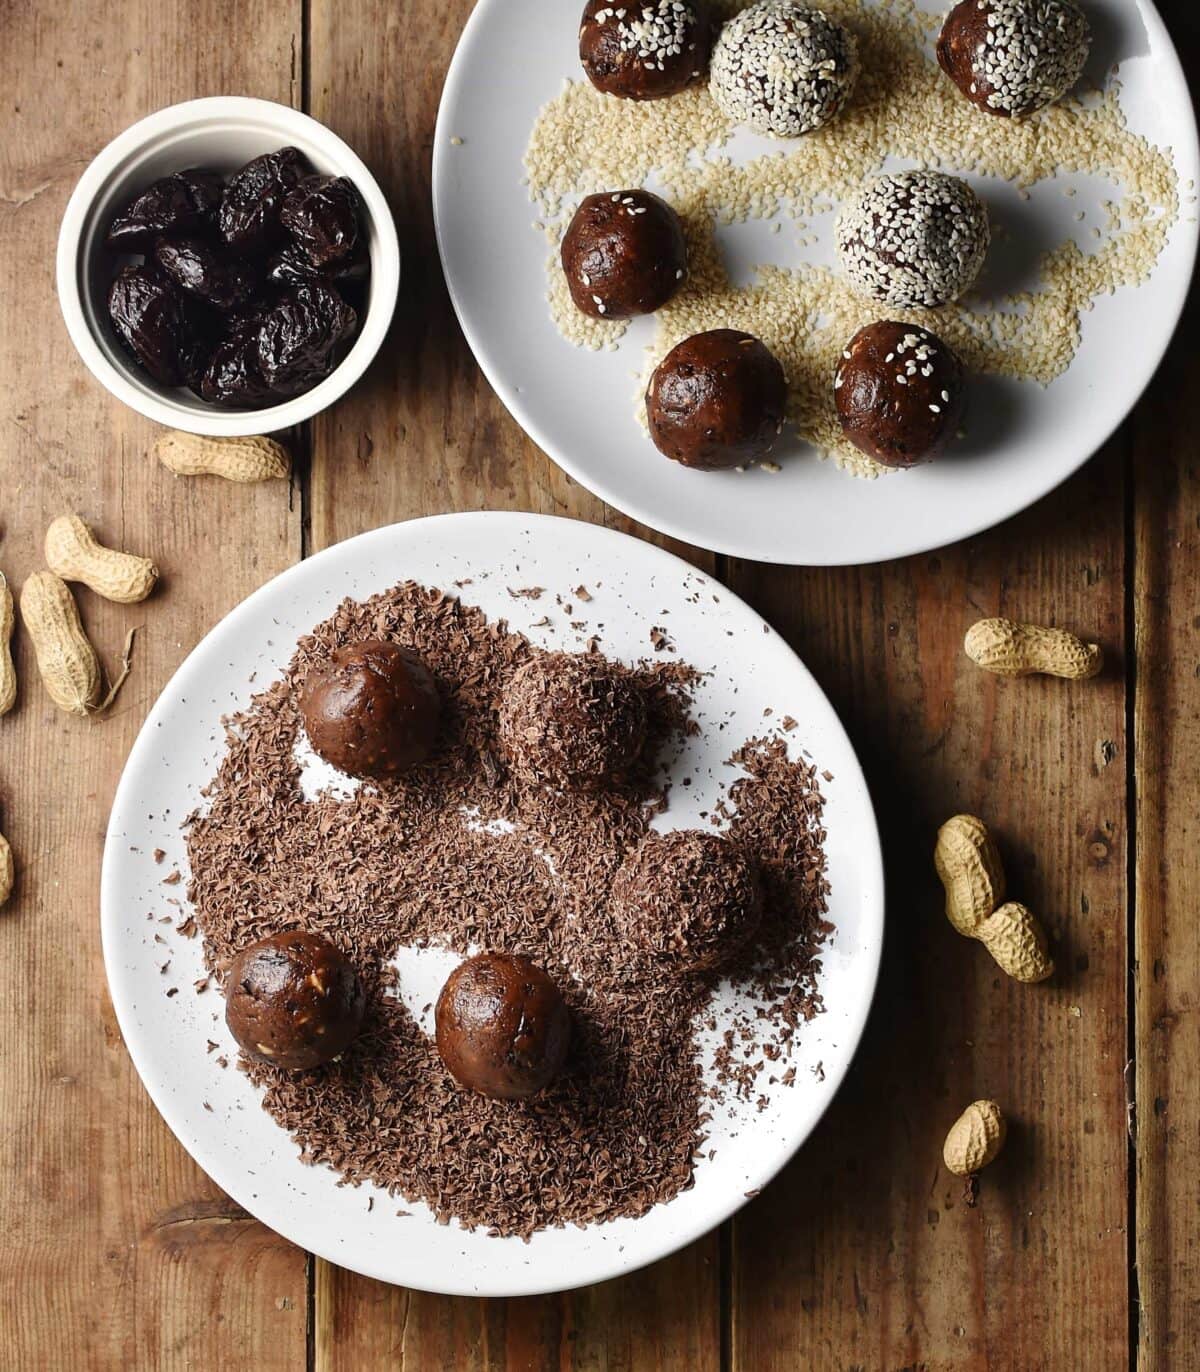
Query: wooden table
point(118, 1252)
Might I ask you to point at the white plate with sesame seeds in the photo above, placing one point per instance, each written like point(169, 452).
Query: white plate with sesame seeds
point(175, 1030)
point(1021, 438)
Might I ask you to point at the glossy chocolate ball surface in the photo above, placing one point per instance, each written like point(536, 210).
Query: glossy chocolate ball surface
point(623, 254)
point(645, 50)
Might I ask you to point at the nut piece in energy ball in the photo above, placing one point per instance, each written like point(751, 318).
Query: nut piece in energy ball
point(914, 240)
point(899, 393)
point(687, 901)
point(717, 400)
point(623, 254)
point(644, 49)
point(975, 1138)
point(293, 1000)
point(783, 69)
point(372, 710)
point(569, 720)
point(1012, 57)
point(503, 1028)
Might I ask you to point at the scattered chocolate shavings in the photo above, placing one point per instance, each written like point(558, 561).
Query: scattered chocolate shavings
point(621, 1129)
point(660, 640)
point(583, 594)
point(787, 724)
point(187, 927)
point(526, 592)
point(173, 879)
point(172, 991)
point(159, 854)
point(212, 1047)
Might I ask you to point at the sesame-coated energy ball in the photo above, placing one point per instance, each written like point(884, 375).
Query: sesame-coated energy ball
point(1012, 57)
point(686, 901)
point(623, 254)
point(569, 720)
point(717, 400)
point(914, 240)
point(783, 69)
point(645, 49)
point(899, 393)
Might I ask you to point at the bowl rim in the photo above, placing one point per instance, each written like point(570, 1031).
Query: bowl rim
point(385, 266)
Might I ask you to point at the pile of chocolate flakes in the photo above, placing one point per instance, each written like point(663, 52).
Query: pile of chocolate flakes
point(422, 863)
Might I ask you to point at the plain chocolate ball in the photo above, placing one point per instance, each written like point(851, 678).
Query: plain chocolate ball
point(646, 49)
point(623, 254)
point(570, 720)
point(372, 710)
point(686, 901)
point(717, 400)
point(293, 1000)
point(1013, 57)
point(899, 393)
point(503, 1028)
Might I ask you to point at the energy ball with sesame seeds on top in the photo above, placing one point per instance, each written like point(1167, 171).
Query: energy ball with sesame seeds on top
point(717, 400)
point(899, 393)
point(623, 254)
point(914, 240)
point(783, 69)
point(568, 720)
point(1013, 57)
point(645, 49)
point(686, 902)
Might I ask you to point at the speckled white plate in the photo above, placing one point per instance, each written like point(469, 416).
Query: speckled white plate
point(577, 405)
point(216, 1114)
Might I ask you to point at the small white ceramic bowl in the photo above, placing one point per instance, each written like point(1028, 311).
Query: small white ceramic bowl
point(223, 133)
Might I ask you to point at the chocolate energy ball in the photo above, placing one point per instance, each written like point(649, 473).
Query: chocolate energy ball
point(717, 400)
point(783, 69)
point(1012, 57)
point(623, 254)
point(687, 901)
point(899, 393)
point(569, 720)
point(372, 710)
point(915, 239)
point(646, 49)
point(293, 1000)
point(503, 1028)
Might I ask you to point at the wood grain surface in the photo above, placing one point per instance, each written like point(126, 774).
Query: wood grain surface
point(1084, 1249)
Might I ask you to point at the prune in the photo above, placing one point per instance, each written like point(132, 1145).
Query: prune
point(232, 376)
point(154, 321)
point(321, 214)
point(290, 267)
point(249, 214)
point(185, 202)
point(298, 336)
point(207, 272)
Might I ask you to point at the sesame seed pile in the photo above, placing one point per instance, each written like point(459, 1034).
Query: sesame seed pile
point(904, 109)
point(917, 239)
point(783, 69)
point(1032, 53)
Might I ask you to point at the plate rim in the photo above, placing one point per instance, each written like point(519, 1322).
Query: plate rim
point(662, 522)
point(215, 1167)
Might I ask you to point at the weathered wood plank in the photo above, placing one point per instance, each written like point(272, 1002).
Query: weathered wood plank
point(118, 1251)
point(425, 434)
point(863, 1254)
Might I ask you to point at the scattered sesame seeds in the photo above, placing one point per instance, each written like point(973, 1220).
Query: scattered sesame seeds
point(783, 69)
point(456, 141)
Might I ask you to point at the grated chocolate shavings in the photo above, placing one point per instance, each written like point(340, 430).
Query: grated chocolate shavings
point(424, 862)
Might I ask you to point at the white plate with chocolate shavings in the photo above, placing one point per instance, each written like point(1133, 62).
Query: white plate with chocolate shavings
point(1092, 204)
point(683, 1095)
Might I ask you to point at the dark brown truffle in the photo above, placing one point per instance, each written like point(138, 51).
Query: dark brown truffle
point(899, 393)
point(717, 400)
point(686, 901)
point(569, 720)
point(647, 49)
point(372, 710)
point(624, 254)
point(502, 1026)
point(1012, 57)
point(293, 1000)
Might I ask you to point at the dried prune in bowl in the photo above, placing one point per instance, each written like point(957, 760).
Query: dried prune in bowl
point(321, 214)
point(232, 377)
point(290, 266)
point(299, 336)
point(154, 321)
point(207, 271)
point(183, 203)
point(250, 208)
